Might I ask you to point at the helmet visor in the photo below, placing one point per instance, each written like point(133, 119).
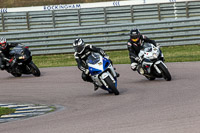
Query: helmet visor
point(135, 36)
point(3, 45)
point(79, 48)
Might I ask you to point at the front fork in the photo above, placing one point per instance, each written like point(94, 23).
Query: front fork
point(105, 75)
point(156, 67)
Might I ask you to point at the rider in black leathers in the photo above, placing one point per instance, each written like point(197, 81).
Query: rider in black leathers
point(82, 51)
point(135, 44)
point(5, 48)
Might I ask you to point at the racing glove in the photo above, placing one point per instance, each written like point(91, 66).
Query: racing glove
point(86, 71)
point(158, 45)
point(106, 56)
point(138, 59)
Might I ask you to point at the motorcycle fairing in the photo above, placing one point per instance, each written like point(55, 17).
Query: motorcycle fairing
point(101, 69)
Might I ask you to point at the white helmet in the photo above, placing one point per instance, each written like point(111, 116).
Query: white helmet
point(3, 43)
point(79, 45)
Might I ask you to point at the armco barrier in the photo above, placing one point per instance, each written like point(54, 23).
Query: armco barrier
point(109, 37)
point(15, 21)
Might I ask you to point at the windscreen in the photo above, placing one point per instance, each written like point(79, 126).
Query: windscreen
point(93, 58)
point(147, 47)
point(16, 50)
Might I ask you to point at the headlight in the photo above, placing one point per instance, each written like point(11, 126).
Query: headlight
point(155, 55)
point(22, 57)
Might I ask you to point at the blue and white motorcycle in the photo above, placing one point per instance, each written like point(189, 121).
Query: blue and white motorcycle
point(102, 72)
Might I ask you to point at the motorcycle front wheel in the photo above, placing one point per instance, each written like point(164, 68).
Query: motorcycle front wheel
point(111, 85)
point(165, 72)
point(34, 69)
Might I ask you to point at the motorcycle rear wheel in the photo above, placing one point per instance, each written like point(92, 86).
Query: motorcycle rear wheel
point(111, 85)
point(165, 72)
point(16, 74)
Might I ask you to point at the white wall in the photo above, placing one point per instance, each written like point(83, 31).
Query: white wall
point(85, 5)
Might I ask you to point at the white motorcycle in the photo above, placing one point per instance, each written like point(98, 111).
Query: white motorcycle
point(151, 64)
point(102, 72)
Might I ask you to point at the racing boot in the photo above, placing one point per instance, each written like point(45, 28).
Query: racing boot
point(2, 67)
point(134, 66)
point(95, 87)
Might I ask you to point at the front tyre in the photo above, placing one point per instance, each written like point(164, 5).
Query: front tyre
point(165, 72)
point(111, 85)
point(34, 69)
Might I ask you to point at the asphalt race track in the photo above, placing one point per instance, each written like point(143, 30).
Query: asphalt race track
point(142, 107)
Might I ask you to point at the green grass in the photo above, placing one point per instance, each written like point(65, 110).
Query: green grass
point(172, 54)
point(58, 60)
point(182, 53)
point(6, 111)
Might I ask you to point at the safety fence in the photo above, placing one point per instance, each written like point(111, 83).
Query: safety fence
point(109, 37)
point(15, 21)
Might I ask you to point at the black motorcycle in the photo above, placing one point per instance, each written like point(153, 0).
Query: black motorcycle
point(21, 62)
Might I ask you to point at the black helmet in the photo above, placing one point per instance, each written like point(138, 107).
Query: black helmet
point(134, 35)
point(79, 45)
point(3, 43)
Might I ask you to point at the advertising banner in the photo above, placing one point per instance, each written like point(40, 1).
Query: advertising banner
point(85, 5)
